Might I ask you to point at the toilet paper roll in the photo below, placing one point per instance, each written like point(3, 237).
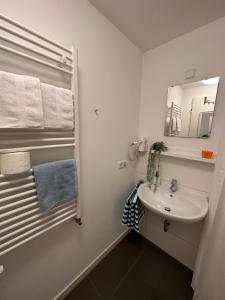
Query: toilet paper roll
point(15, 163)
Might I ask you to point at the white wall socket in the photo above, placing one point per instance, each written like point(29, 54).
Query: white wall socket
point(121, 164)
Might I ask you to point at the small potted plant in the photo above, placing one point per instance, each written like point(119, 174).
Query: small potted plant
point(153, 168)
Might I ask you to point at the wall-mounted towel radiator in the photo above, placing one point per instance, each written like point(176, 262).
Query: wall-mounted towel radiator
point(20, 217)
point(174, 111)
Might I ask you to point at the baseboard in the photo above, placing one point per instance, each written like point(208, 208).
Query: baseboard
point(89, 268)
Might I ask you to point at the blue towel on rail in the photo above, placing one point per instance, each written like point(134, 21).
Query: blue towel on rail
point(55, 182)
point(133, 210)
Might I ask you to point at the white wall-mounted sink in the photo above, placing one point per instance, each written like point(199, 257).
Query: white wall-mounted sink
point(186, 205)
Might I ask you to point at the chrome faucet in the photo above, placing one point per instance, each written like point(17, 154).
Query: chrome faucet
point(174, 185)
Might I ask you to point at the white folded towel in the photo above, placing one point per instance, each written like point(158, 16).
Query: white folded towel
point(178, 124)
point(20, 101)
point(174, 124)
point(58, 107)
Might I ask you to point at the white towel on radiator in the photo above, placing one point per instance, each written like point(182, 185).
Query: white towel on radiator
point(20, 101)
point(174, 124)
point(178, 121)
point(58, 107)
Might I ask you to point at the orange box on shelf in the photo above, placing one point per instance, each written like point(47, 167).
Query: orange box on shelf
point(207, 154)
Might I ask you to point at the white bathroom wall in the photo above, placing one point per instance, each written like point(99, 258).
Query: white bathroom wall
point(204, 50)
point(174, 95)
point(109, 79)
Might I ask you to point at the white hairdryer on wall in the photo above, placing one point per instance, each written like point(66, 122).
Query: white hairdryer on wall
point(137, 147)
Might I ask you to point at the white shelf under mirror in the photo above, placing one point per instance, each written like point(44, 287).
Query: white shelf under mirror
point(189, 156)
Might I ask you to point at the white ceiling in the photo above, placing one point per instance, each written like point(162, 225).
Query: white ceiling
point(150, 23)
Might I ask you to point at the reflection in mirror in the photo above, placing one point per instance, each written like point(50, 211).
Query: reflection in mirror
point(190, 109)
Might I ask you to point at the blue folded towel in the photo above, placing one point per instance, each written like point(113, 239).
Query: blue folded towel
point(133, 210)
point(55, 182)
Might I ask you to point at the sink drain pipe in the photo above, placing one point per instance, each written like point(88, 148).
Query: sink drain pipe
point(166, 225)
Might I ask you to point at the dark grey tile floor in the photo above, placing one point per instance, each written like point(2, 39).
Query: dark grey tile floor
point(136, 270)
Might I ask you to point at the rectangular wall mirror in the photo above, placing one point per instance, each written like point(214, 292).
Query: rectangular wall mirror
point(190, 109)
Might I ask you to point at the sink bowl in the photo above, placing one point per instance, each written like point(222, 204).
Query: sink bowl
point(186, 205)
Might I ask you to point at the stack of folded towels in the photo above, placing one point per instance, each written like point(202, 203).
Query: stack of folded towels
point(25, 102)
